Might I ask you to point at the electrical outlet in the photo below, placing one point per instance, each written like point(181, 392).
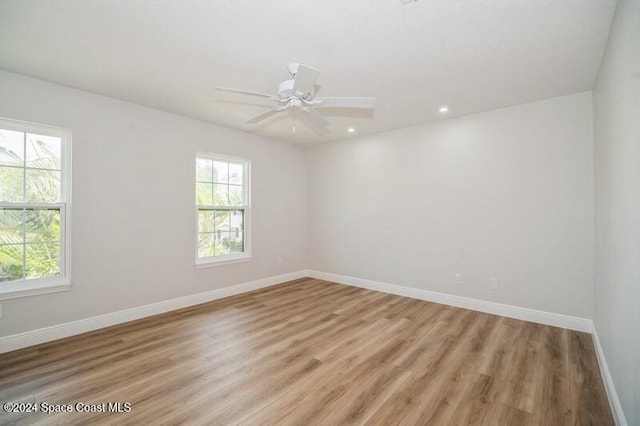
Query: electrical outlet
point(458, 279)
point(494, 284)
point(0, 311)
point(280, 261)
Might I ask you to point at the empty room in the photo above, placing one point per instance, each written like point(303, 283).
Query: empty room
point(278, 212)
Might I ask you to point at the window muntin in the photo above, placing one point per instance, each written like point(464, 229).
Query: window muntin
point(34, 190)
point(222, 200)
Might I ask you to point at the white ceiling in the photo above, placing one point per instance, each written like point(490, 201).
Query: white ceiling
point(473, 55)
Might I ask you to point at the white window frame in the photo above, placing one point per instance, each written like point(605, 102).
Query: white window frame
point(62, 282)
point(205, 262)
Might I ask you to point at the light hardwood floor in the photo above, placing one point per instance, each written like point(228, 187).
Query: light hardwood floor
point(315, 352)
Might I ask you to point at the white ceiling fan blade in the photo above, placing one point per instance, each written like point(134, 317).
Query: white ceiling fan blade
point(265, 115)
point(310, 118)
point(305, 79)
point(365, 103)
point(315, 117)
point(247, 92)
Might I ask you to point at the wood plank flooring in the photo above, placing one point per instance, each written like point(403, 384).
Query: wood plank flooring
point(314, 352)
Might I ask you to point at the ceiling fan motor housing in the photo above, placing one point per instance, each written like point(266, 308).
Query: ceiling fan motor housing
point(293, 69)
point(285, 89)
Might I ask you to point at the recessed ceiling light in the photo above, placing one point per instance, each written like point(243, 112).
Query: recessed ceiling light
point(444, 109)
point(351, 130)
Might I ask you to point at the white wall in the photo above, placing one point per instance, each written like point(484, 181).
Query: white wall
point(505, 194)
point(617, 201)
point(133, 203)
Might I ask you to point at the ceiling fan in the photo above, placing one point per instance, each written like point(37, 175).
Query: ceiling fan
point(297, 94)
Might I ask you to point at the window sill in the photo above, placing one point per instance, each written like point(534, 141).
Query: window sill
point(227, 260)
point(19, 289)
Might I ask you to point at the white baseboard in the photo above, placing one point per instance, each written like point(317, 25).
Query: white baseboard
point(47, 334)
point(34, 337)
point(526, 314)
point(612, 395)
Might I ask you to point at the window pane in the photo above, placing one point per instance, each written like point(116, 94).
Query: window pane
point(11, 262)
point(11, 226)
point(205, 221)
point(222, 220)
point(42, 186)
point(235, 173)
point(236, 245)
point(221, 194)
point(235, 195)
point(11, 184)
point(236, 234)
point(42, 226)
point(204, 170)
point(204, 194)
point(43, 152)
point(222, 242)
point(11, 148)
point(42, 260)
point(206, 246)
point(220, 171)
point(236, 220)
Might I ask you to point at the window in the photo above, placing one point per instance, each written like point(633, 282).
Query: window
point(223, 208)
point(34, 209)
